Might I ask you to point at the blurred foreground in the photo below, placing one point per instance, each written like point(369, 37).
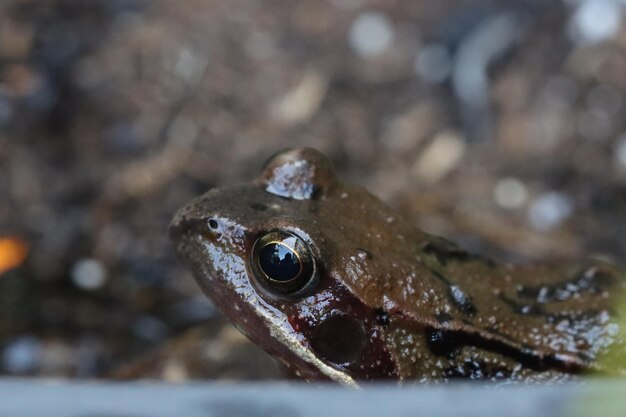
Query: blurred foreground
point(601, 398)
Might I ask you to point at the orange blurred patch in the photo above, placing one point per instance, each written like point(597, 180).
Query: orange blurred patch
point(13, 251)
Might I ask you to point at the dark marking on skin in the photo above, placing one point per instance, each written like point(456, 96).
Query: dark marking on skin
point(524, 309)
point(591, 280)
point(473, 370)
point(258, 206)
point(316, 193)
point(449, 343)
point(444, 251)
point(382, 317)
point(457, 296)
point(443, 318)
point(441, 342)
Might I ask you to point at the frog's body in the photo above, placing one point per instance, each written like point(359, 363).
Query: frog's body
point(388, 300)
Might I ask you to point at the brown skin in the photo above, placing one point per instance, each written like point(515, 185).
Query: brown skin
point(384, 299)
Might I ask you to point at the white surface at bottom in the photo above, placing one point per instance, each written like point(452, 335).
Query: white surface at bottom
point(74, 398)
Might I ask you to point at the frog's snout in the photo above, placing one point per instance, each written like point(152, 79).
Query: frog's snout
point(202, 217)
point(192, 219)
point(181, 225)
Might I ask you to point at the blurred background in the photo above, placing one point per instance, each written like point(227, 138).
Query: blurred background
point(499, 124)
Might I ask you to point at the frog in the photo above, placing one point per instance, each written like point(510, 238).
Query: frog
point(337, 286)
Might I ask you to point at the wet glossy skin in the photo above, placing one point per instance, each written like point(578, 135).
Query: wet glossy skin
point(386, 300)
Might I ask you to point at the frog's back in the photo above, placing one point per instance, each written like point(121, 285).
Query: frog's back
point(518, 322)
point(455, 314)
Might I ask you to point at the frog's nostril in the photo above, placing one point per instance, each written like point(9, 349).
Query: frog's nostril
point(208, 228)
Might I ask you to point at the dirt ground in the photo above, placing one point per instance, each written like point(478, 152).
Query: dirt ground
point(499, 124)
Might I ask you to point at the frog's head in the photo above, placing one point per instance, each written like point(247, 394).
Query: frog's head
point(282, 257)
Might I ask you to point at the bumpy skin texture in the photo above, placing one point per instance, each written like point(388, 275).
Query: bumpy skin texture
point(390, 301)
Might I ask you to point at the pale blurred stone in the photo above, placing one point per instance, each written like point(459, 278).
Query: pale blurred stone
point(371, 34)
point(440, 157)
point(303, 101)
point(407, 130)
point(89, 274)
point(22, 355)
point(596, 20)
point(549, 210)
point(510, 193)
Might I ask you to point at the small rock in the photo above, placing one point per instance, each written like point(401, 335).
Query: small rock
point(303, 101)
point(549, 210)
point(510, 193)
point(22, 355)
point(440, 157)
point(595, 21)
point(371, 34)
point(89, 274)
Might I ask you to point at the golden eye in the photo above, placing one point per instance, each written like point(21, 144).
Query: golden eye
point(283, 263)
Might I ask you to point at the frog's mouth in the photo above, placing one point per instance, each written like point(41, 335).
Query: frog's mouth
point(282, 332)
point(224, 279)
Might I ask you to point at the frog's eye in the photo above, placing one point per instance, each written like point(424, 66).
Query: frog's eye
point(283, 263)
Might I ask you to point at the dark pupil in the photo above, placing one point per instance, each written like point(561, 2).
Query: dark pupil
point(279, 262)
